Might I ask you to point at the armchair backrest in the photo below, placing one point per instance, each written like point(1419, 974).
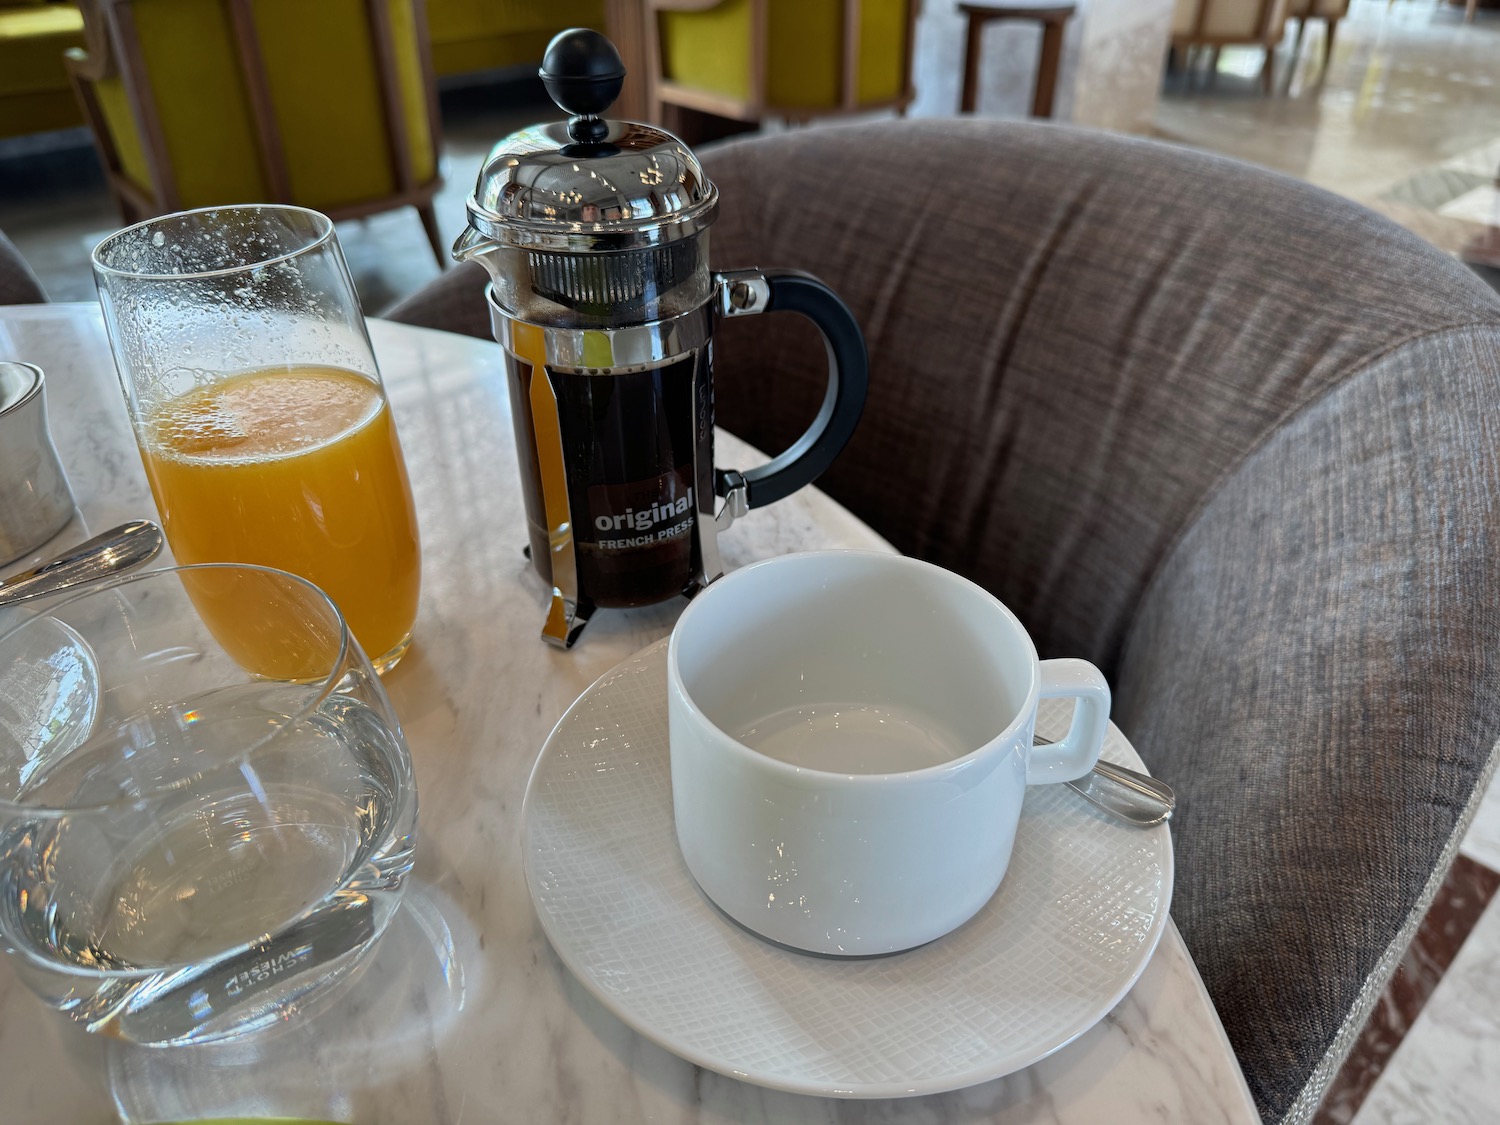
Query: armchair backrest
point(327, 105)
point(750, 58)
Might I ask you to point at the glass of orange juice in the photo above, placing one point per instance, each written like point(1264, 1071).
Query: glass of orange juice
point(259, 411)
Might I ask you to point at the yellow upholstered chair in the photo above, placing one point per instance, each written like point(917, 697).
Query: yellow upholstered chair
point(34, 91)
point(1223, 23)
point(797, 59)
point(471, 35)
point(327, 104)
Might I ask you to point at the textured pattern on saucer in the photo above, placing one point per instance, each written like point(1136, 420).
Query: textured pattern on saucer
point(1070, 929)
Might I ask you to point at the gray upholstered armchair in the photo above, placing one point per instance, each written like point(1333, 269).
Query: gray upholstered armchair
point(1225, 434)
point(18, 285)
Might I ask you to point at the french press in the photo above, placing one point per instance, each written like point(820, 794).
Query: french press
point(595, 235)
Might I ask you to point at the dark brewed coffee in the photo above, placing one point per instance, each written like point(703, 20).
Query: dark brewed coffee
point(627, 448)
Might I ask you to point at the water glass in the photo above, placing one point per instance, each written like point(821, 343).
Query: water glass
point(206, 820)
point(258, 408)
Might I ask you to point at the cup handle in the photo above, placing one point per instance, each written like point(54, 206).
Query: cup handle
point(749, 292)
point(1074, 755)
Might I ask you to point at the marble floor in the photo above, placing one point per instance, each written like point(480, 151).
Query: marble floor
point(1405, 118)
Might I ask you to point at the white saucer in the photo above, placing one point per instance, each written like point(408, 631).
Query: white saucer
point(1072, 926)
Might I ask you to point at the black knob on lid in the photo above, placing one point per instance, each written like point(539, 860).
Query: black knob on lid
point(583, 74)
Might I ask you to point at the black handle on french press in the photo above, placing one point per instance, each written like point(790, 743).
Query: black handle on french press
point(843, 401)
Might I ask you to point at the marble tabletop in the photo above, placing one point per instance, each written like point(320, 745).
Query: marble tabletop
point(465, 1013)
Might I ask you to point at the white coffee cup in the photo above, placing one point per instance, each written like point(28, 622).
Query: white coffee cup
point(851, 741)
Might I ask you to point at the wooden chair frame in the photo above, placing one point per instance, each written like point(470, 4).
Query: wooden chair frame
point(114, 47)
point(660, 92)
point(1302, 14)
point(1268, 36)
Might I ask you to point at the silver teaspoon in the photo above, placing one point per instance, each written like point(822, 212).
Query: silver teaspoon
point(1134, 797)
point(117, 550)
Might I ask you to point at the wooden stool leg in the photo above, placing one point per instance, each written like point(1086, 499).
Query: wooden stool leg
point(971, 66)
point(1268, 72)
point(1046, 70)
point(1333, 26)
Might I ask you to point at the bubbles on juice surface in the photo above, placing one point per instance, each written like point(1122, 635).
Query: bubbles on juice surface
point(266, 414)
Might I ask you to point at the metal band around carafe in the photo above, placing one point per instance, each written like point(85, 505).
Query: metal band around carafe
point(609, 351)
point(569, 612)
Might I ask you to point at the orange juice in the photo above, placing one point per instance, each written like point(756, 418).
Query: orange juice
point(299, 469)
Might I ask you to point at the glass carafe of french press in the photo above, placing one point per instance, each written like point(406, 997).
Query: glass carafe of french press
point(595, 235)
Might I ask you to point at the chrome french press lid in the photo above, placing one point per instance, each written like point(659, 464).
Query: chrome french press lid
point(588, 184)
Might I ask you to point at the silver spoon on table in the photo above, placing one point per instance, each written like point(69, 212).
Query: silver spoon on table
point(1134, 797)
point(117, 550)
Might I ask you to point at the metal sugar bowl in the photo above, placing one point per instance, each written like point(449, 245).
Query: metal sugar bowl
point(595, 235)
